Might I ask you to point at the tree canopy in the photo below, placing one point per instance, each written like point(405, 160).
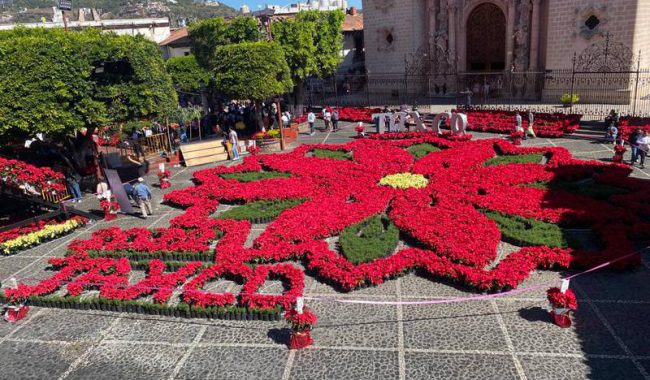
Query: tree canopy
point(252, 70)
point(56, 83)
point(312, 42)
point(208, 35)
point(186, 73)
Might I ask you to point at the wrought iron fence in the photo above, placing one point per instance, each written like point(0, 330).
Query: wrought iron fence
point(626, 91)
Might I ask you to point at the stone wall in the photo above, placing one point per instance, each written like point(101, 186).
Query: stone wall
point(567, 34)
point(399, 20)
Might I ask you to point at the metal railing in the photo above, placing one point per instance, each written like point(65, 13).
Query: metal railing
point(626, 91)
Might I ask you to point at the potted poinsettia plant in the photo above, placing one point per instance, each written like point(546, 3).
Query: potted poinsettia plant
point(16, 309)
point(516, 137)
point(562, 304)
point(359, 129)
point(110, 208)
point(164, 178)
point(619, 151)
point(301, 325)
point(254, 150)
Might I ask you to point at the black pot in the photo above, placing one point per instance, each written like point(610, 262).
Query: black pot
point(177, 313)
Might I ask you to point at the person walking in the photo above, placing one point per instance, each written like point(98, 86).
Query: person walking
point(234, 140)
point(285, 120)
point(335, 120)
point(141, 162)
point(531, 121)
point(143, 197)
point(643, 146)
point(311, 119)
point(327, 117)
point(634, 148)
point(73, 178)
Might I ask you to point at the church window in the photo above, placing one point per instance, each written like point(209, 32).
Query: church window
point(592, 22)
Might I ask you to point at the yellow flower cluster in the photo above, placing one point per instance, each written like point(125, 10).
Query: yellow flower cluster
point(404, 181)
point(50, 231)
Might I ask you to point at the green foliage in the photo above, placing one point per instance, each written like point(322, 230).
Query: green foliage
point(186, 73)
point(371, 239)
point(183, 115)
point(590, 189)
point(254, 176)
point(516, 159)
point(252, 70)
point(260, 211)
point(48, 85)
point(528, 232)
point(420, 150)
point(327, 37)
point(297, 40)
point(312, 42)
point(208, 35)
point(333, 154)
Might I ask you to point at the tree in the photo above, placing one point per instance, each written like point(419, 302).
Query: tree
point(59, 83)
point(207, 35)
point(312, 42)
point(252, 70)
point(186, 73)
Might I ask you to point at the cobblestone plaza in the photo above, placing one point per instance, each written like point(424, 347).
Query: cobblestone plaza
point(500, 338)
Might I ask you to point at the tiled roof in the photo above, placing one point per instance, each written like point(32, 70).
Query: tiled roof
point(353, 23)
point(174, 36)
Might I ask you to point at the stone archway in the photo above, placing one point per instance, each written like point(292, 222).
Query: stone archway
point(486, 39)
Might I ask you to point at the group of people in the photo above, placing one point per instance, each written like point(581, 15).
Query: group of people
point(529, 131)
point(638, 140)
point(331, 120)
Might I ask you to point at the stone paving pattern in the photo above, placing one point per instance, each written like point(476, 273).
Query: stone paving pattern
point(504, 338)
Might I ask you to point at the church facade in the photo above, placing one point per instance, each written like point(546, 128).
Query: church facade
point(433, 37)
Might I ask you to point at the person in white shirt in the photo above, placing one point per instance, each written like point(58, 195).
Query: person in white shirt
point(327, 117)
point(234, 140)
point(311, 119)
point(285, 120)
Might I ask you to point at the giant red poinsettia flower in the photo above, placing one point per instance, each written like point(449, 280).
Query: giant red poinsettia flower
point(452, 238)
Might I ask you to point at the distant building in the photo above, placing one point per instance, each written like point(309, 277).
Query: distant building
point(207, 2)
point(177, 44)
point(353, 52)
point(312, 5)
point(245, 9)
point(155, 29)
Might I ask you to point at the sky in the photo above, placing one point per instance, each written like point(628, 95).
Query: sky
point(254, 3)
